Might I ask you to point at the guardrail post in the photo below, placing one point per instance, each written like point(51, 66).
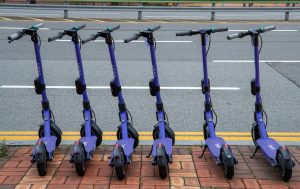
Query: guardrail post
point(65, 11)
point(287, 13)
point(213, 14)
point(139, 15)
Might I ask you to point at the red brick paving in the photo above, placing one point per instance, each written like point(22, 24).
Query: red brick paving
point(186, 172)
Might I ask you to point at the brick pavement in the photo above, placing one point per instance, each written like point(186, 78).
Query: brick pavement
point(187, 171)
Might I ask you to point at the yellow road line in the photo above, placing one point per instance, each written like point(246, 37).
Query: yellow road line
point(149, 138)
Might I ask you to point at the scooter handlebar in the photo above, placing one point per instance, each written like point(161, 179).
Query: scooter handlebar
point(79, 27)
point(155, 28)
point(135, 37)
point(15, 36)
point(233, 36)
point(91, 38)
point(268, 28)
point(214, 30)
point(114, 28)
point(57, 36)
point(182, 33)
point(38, 26)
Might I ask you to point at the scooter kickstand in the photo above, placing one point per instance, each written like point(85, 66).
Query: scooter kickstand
point(205, 148)
point(148, 156)
point(256, 149)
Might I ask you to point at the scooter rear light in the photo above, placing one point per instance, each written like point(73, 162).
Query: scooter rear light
point(284, 148)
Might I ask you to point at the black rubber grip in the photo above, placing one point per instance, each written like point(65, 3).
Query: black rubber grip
point(219, 30)
point(233, 36)
point(135, 37)
point(15, 36)
point(155, 28)
point(182, 33)
point(58, 36)
point(91, 38)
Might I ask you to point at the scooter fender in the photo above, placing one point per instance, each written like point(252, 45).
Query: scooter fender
point(39, 152)
point(228, 154)
point(118, 158)
point(161, 155)
point(286, 156)
point(77, 150)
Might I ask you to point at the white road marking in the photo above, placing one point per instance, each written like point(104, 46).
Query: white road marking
point(29, 14)
point(122, 41)
point(15, 28)
point(175, 16)
point(97, 13)
point(272, 30)
point(123, 87)
point(263, 61)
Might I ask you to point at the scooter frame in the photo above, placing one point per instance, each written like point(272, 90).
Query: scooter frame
point(270, 148)
point(217, 146)
point(128, 141)
point(49, 133)
point(163, 143)
point(91, 135)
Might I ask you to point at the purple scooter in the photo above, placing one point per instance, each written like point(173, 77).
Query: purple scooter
point(91, 134)
point(128, 137)
point(218, 147)
point(49, 133)
point(277, 155)
point(163, 135)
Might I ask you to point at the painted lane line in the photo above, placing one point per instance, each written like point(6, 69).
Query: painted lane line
point(251, 61)
point(29, 14)
point(122, 41)
point(124, 87)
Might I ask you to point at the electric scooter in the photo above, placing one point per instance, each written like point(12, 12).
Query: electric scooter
point(217, 146)
point(128, 137)
point(49, 133)
point(163, 135)
point(91, 134)
point(276, 154)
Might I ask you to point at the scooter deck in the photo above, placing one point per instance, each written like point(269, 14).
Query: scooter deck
point(127, 145)
point(167, 142)
point(89, 143)
point(214, 146)
point(269, 149)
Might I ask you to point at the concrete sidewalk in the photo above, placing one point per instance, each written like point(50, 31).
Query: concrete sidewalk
point(187, 171)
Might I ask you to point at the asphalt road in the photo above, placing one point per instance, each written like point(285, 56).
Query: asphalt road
point(179, 65)
point(244, 15)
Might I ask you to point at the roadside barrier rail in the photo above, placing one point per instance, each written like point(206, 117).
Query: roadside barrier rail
point(140, 9)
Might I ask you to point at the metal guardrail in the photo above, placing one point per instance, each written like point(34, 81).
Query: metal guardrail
point(140, 9)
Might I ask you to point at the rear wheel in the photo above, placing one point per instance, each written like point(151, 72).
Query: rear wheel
point(79, 161)
point(96, 131)
point(54, 131)
point(162, 161)
point(228, 165)
point(132, 133)
point(169, 132)
point(284, 166)
point(41, 159)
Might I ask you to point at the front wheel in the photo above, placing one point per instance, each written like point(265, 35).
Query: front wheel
point(169, 132)
point(132, 133)
point(285, 166)
point(54, 131)
point(96, 131)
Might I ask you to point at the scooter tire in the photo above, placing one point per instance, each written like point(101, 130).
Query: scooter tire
point(54, 131)
point(41, 160)
point(96, 131)
point(132, 133)
point(168, 130)
point(284, 166)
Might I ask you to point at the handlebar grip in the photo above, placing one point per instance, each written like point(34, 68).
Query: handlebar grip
point(269, 28)
point(219, 29)
point(135, 37)
point(14, 36)
point(91, 38)
point(79, 27)
point(234, 36)
point(57, 36)
point(38, 26)
point(115, 28)
point(155, 28)
point(182, 33)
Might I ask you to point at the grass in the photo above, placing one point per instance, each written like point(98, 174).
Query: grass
point(3, 148)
